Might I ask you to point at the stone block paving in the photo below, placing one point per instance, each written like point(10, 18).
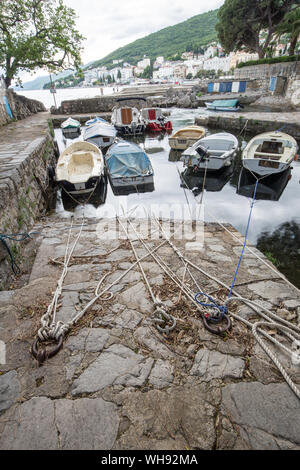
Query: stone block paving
point(17, 140)
point(120, 384)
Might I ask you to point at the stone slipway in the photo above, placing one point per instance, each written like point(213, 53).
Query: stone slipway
point(253, 122)
point(118, 383)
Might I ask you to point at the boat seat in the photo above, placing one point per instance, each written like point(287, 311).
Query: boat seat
point(273, 156)
point(215, 152)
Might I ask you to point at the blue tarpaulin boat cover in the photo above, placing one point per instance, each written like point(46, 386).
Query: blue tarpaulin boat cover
point(225, 103)
point(122, 165)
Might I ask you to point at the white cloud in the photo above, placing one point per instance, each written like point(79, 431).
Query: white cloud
point(108, 25)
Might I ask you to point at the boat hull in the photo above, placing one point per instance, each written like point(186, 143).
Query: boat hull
point(130, 130)
point(101, 142)
point(265, 167)
point(211, 163)
point(181, 144)
point(157, 127)
point(138, 184)
point(223, 108)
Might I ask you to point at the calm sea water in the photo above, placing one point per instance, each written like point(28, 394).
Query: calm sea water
point(275, 224)
point(65, 94)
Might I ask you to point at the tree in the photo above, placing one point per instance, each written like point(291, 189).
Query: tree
point(119, 76)
point(241, 23)
point(290, 26)
point(37, 34)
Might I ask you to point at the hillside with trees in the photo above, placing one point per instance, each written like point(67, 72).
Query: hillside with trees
point(188, 35)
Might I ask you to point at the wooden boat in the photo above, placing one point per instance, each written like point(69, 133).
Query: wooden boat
point(129, 168)
point(224, 105)
point(70, 128)
point(269, 188)
point(80, 169)
point(155, 120)
point(100, 134)
point(212, 152)
point(127, 120)
point(270, 152)
point(185, 137)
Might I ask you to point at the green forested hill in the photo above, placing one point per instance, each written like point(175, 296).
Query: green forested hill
point(190, 34)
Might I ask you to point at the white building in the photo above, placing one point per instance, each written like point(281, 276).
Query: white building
point(218, 63)
point(193, 66)
point(126, 73)
point(164, 73)
point(145, 62)
point(210, 52)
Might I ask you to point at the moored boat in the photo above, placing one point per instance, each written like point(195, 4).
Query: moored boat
point(212, 152)
point(185, 137)
point(270, 152)
point(70, 127)
point(155, 120)
point(100, 134)
point(126, 119)
point(95, 120)
point(129, 168)
point(224, 105)
point(80, 169)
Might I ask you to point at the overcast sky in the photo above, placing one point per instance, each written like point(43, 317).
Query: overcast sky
point(109, 24)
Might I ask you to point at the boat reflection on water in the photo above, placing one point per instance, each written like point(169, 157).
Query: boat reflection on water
point(174, 155)
point(269, 188)
point(214, 181)
point(97, 198)
point(146, 188)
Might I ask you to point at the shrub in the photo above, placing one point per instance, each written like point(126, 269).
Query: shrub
point(268, 60)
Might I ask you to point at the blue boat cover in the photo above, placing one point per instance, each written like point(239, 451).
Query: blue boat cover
point(225, 103)
point(128, 164)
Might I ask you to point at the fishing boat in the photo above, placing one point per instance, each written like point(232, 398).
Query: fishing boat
point(185, 137)
point(95, 120)
point(212, 152)
point(70, 128)
point(100, 134)
point(126, 119)
point(80, 170)
point(224, 105)
point(155, 120)
point(269, 188)
point(129, 168)
point(270, 152)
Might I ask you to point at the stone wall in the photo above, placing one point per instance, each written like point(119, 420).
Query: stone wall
point(261, 71)
point(20, 106)
point(23, 107)
point(25, 193)
point(85, 106)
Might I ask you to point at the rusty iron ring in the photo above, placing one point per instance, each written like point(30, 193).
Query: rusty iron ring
point(218, 329)
point(42, 354)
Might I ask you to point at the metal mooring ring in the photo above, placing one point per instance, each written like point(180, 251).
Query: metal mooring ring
point(167, 329)
point(217, 330)
point(42, 354)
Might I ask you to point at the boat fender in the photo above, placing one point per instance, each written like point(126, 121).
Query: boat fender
point(296, 157)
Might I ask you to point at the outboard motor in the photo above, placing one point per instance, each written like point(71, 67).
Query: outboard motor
point(203, 153)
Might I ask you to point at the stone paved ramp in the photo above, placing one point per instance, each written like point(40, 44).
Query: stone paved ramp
point(118, 383)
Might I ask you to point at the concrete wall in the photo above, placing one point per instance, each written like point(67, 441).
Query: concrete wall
point(268, 70)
